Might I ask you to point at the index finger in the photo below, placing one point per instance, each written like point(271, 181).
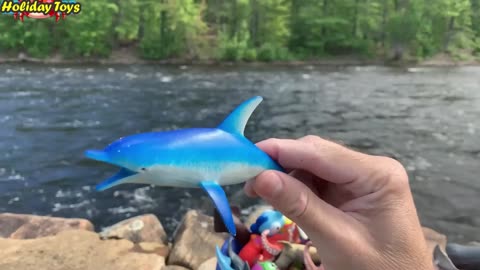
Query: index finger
point(325, 159)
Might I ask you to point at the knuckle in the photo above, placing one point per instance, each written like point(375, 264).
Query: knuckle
point(310, 139)
point(394, 172)
point(297, 207)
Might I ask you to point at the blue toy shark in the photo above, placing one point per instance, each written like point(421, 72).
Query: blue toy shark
point(189, 158)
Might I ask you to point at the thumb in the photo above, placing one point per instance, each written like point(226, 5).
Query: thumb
point(321, 221)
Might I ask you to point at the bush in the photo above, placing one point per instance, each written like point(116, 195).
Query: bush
point(250, 55)
point(270, 52)
point(232, 49)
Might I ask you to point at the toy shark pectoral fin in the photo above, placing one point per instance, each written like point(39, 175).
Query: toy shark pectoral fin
point(119, 178)
point(237, 120)
point(220, 200)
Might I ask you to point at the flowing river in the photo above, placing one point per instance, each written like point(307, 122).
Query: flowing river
point(428, 118)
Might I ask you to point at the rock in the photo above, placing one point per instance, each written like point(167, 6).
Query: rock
point(19, 226)
point(433, 239)
point(294, 254)
point(75, 250)
point(195, 241)
point(436, 244)
point(209, 264)
point(145, 228)
point(174, 267)
point(152, 248)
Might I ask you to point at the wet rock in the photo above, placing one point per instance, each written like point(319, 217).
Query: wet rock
point(434, 239)
point(195, 241)
point(294, 254)
point(152, 248)
point(20, 226)
point(209, 264)
point(75, 250)
point(145, 228)
point(174, 267)
point(436, 244)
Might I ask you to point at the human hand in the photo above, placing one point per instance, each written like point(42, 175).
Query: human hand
point(357, 209)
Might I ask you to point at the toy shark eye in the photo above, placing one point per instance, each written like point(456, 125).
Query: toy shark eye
point(143, 169)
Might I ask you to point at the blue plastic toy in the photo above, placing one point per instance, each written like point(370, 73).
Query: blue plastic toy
point(188, 158)
point(269, 220)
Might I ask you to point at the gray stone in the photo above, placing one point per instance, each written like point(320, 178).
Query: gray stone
point(75, 250)
point(209, 264)
point(20, 226)
point(195, 241)
point(145, 228)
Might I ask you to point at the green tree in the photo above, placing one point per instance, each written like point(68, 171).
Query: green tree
point(171, 28)
point(266, 30)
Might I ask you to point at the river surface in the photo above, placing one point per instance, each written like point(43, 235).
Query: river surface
point(428, 118)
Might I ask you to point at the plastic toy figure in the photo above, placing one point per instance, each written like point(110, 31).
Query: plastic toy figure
point(264, 242)
point(265, 266)
point(290, 232)
point(231, 261)
point(189, 158)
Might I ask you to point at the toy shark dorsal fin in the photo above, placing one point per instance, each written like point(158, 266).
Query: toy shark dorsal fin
point(237, 120)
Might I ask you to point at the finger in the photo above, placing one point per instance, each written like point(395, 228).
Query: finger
point(296, 201)
point(248, 188)
point(325, 159)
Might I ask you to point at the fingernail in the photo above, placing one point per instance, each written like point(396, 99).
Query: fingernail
point(269, 185)
point(249, 189)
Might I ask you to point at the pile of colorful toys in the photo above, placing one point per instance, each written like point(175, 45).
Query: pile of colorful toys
point(272, 242)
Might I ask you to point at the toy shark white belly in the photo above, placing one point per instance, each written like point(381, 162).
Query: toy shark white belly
point(197, 157)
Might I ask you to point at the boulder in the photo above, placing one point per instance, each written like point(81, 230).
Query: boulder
point(195, 241)
point(209, 264)
point(152, 248)
point(174, 267)
point(75, 250)
point(20, 226)
point(294, 254)
point(434, 239)
point(145, 228)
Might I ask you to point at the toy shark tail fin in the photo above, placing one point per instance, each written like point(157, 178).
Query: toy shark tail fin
point(223, 262)
point(237, 120)
point(119, 178)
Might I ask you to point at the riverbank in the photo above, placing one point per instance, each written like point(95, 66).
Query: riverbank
point(43, 242)
point(127, 56)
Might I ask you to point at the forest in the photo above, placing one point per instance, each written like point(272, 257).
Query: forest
point(253, 30)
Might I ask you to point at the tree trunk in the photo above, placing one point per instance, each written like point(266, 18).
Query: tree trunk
point(450, 33)
point(355, 19)
point(399, 46)
point(141, 24)
point(163, 26)
point(384, 26)
point(254, 23)
point(116, 21)
point(234, 25)
point(476, 16)
point(324, 14)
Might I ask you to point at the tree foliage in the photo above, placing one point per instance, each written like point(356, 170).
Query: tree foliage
point(249, 30)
